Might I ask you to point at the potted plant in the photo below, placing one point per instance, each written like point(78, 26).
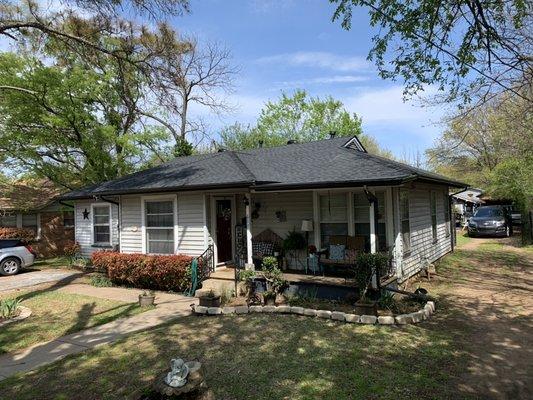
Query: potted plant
point(147, 298)
point(293, 243)
point(210, 299)
point(269, 297)
point(367, 265)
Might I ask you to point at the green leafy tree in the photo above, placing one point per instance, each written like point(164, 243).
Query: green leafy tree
point(472, 49)
point(72, 123)
point(299, 117)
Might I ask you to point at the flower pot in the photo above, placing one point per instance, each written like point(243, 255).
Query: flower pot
point(210, 301)
point(270, 301)
point(366, 308)
point(145, 301)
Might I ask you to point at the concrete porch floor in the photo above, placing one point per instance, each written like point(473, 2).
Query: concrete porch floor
point(228, 274)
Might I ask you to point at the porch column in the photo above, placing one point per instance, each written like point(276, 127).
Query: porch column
point(373, 233)
point(249, 260)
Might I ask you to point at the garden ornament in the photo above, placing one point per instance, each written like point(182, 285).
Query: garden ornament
point(177, 377)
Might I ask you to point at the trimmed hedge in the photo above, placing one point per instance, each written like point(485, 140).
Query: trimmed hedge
point(26, 235)
point(145, 271)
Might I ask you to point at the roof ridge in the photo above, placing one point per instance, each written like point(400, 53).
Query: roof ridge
point(242, 166)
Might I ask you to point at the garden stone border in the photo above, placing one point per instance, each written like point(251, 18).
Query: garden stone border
point(401, 319)
point(25, 312)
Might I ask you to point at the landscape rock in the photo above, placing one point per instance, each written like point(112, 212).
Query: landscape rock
point(255, 309)
point(200, 309)
point(323, 314)
point(283, 309)
point(241, 310)
point(432, 305)
point(338, 316)
point(386, 320)
point(416, 317)
point(310, 312)
point(297, 310)
point(214, 311)
point(404, 319)
point(269, 309)
point(353, 318)
point(228, 310)
point(368, 319)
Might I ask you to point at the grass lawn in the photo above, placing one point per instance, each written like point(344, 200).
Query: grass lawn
point(462, 237)
point(56, 262)
point(463, 351)
point(56, 313)
point(260, 357)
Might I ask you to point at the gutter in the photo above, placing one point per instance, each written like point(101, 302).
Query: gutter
point(65, 204)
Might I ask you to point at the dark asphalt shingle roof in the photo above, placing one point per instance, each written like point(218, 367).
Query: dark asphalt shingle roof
point(323, 163)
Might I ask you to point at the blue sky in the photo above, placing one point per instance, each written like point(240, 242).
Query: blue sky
point(284, 45)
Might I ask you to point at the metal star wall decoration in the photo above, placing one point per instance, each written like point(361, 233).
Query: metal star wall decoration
point(85, 214)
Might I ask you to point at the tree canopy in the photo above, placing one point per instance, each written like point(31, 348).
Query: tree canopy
point(470, 49)
point(301, 117)
point(491, 148)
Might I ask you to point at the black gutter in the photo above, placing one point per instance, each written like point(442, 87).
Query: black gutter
point(65, 204)
point(102, 198)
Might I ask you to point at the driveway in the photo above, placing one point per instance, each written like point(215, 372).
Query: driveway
point(32, 278)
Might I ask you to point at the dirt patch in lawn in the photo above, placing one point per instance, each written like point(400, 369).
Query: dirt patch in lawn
point(486, 291)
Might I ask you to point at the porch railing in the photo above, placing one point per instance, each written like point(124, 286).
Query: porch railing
point(206, 263)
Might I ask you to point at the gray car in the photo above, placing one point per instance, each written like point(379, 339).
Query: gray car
point(14, 255)
point(490, 221)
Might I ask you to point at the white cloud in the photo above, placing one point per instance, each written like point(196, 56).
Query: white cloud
point(319, 59)
point(325, 80)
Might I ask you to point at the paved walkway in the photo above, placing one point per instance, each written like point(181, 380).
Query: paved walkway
point(169, 306)
point(32, 278)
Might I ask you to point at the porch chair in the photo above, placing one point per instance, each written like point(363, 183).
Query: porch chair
point(265, 244)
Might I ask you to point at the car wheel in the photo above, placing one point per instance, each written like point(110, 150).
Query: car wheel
point(9, 266)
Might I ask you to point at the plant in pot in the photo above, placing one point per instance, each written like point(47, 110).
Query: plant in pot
point(293, 243)
point(147, 298)
point(269, 297)
point(210, 299)
point(275, 282)
point(366, 266)
point(247, 277)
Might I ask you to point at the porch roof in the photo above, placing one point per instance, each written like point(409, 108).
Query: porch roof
point(324, 163)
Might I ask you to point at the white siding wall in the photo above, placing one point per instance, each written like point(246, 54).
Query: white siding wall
point(422, 244)
point(191, 224)
point(83, 230)
point(131, 235)
point(297, 206)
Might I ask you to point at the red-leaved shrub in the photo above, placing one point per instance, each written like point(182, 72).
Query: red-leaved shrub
point(145, 271)
point(26, 235)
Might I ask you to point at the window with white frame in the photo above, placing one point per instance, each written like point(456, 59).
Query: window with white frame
point(433, 210)
point(333, 216)
point(404, 221)
point(159, 225)
point(68, 219)
point(446, 204)
point(102, 224)
point(29, 221)
point(8, 220)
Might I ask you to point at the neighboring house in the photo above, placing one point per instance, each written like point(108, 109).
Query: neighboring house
point(190, 203)
point(32, 205)
point(465, 203)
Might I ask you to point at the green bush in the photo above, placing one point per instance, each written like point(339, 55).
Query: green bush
point(101, 281)
point(8, 308)
point(366, 265)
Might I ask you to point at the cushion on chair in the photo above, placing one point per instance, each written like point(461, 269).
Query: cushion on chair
point(336, 251)
point(263, 249)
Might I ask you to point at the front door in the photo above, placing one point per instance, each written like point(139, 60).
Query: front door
point(224, 231)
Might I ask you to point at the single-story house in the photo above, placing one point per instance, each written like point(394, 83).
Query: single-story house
point(228, 199)
point(32, 204)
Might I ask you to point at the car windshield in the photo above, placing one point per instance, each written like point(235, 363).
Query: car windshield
point(488, 212)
